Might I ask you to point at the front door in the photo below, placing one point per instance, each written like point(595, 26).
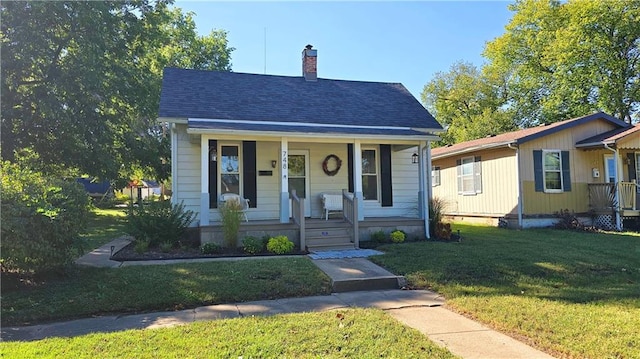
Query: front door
point(610, 169)
point(298, 162)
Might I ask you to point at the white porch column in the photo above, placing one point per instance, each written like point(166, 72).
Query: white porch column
point(204, 181)
point(429, 188)
point(357, 180)
point(284, 181)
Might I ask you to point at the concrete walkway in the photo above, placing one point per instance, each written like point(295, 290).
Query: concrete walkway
point(419, 309)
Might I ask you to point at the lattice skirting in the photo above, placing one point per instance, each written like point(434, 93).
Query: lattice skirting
point(605, 221)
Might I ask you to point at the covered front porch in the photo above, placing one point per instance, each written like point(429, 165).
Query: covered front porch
point(616, 194)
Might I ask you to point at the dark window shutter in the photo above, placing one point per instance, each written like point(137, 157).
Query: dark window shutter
point(213, 176)
point(249, 175)
point(566, 171)
point(632, 166)
point(385, 175)
point(537, 171)
point(477, 174)
point(350, 166)
point(459, 174)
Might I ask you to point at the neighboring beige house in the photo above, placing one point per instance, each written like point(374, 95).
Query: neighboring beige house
point(588, 165)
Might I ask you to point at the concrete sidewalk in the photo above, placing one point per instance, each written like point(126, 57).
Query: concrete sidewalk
point(416, 308)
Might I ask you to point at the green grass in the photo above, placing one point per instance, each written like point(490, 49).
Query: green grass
point(91, 291)
point(346, 333)
point(573, 294)
point(104, 226)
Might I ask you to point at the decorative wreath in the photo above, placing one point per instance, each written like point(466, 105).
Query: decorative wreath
point(325, 165)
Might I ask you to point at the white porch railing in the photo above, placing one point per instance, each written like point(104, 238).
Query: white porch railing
point(297, 209)
point(350, 214)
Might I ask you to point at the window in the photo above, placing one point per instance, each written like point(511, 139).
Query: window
point(469, 175)
point(552, 171)
point(435, 176)
point(369, 175)
point(229, 169)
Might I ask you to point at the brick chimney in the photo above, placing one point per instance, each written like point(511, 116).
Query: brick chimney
point(310, 63)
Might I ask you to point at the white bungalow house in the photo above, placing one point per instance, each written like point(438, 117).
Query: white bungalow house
point(263, 136)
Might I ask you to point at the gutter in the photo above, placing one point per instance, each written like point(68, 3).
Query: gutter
point(616, 188)
point(520, 200)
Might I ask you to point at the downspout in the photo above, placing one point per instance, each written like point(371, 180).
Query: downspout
point(427, 183)
point(616, 195)
point(520, 205)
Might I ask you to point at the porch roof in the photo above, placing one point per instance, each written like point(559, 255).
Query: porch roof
point(248, 99)
point(272, 128)
point(614, 138)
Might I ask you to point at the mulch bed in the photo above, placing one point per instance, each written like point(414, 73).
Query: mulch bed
point(129, 254)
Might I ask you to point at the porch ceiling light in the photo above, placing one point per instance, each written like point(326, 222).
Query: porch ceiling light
point(414, 158)
point(274, 163)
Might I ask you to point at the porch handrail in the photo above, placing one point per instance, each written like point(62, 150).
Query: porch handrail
point(628, 195)
point(297, 209)
point(350, 214)
point(602, 196)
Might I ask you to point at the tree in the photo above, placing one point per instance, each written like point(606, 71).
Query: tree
point(567, 59)
point(468, 102)
point(81, 82)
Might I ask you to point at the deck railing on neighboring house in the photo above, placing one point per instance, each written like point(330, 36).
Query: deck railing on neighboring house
point(297, 207)
point(350, 214)
point(602, 196)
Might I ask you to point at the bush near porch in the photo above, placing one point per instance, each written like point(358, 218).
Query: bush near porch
point(570, 293)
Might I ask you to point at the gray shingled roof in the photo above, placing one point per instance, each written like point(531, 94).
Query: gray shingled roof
point(197, 94)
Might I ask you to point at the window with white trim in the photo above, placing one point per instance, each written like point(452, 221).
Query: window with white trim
point(369, 174)
point(469, 175)
point(230, 169)
point(435, 176)
point(552, 170)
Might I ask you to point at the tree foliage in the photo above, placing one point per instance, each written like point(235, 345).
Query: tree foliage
point(556, 60)
point(468, 102)
point(81, 82)
point(566, 59)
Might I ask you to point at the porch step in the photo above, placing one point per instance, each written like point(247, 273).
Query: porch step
point(324, 239)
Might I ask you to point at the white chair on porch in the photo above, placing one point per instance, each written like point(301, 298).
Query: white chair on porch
point(244, 203)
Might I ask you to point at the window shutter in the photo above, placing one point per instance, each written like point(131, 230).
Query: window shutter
point(566, 171)
point(385, 176)
point(537, 171)
point(213, 176)
point(249, 175)
point(459, 173)
point(350, 166)
point(632, 166)
point(477, 174)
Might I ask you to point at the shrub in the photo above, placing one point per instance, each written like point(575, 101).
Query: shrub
point(210, 248)
point(397, 236)
point(252, 245)
point(231, 217)
point(379, 237)
point(41, 220)
point(166, 247)
point(141, 246)
point(437, 208)
point(280, 245)
point(159, 222)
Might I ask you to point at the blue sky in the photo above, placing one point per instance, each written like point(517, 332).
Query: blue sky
point(406, 42)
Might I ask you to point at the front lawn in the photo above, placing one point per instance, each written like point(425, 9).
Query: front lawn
point(104, 226)
point(92, 291)
point(573, 294)
point(345, 333)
